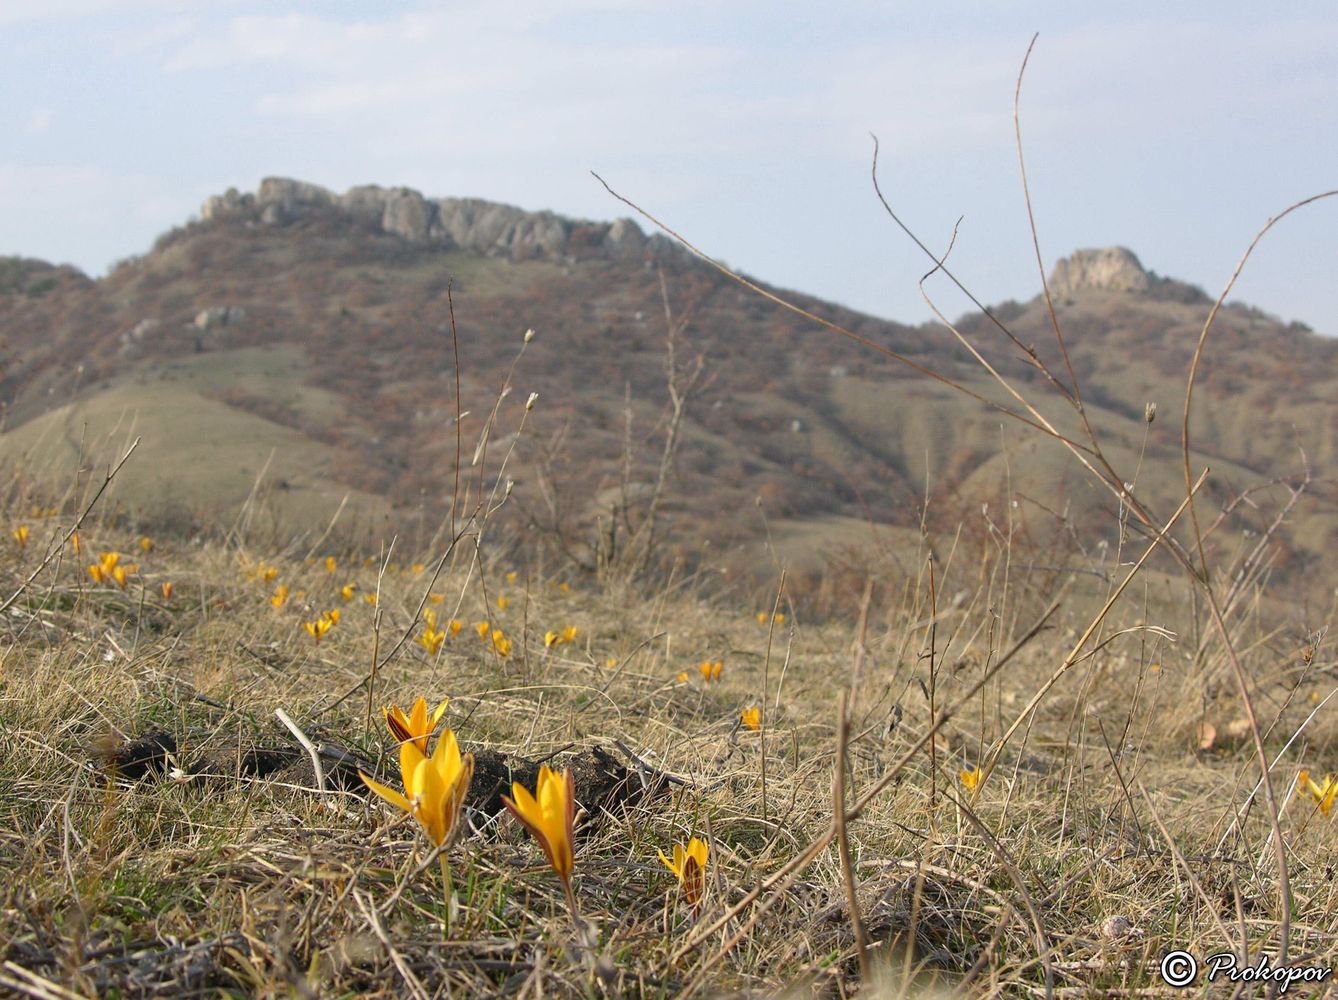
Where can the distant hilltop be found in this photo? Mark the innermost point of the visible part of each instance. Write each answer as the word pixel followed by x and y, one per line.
pixel 484 227
pixel 1116 269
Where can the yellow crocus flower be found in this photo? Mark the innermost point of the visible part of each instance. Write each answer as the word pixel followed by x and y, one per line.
pixel 751 717
pixel 971 779
pixel 549 815
pixel 280 595
pixel 416 727
pixel 434 787
pixel 1323 794
pixel 346 591
pixel 690 866
pixel 321 625
pixel 431 640
pixel 21 534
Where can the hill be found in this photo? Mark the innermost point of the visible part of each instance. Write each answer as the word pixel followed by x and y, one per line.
pixel 291 351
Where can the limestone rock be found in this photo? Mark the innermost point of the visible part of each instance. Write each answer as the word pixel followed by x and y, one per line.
pixel 230 202
pixel 1116 269
pixel 472 224
pixel 281 199
pixel 1110 269
pixel 206 319
pixel 408 215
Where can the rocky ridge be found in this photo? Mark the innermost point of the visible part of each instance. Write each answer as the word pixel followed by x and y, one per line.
pixel 1116 269
pixel 472 224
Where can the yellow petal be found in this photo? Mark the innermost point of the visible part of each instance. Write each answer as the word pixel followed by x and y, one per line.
pixel 410 757
pixel 389 794
pixel 698 850
pixel 670 864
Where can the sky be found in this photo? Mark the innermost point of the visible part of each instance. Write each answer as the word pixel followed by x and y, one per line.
pixel 1176 130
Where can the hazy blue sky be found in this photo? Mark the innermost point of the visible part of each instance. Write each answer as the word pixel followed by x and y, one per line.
pixel 1173 129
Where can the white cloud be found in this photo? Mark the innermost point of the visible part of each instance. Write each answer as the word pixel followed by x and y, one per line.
pixel 39 120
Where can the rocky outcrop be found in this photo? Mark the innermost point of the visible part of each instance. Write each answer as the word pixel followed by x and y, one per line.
pixel 1115 269
pixel 466 223
pixel 1111 269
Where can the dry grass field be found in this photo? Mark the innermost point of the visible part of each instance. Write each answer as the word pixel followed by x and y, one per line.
pixel 166 835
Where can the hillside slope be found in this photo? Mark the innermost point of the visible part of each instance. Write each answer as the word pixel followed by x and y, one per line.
pixel 306 335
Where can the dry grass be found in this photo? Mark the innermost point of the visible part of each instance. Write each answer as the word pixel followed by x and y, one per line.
pixel 1102 839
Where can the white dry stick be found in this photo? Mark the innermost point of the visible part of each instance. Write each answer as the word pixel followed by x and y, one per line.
pixel 310 747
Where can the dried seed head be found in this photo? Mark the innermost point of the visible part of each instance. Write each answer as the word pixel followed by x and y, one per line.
pixel 1150 412
pixel 529 403
pixel 529 335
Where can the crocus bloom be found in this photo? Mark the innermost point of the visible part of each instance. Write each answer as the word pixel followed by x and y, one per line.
pixel 21 534
pixel 690 867
pixel 346 591
pixel 1323 794
pixel 549 816
pixel 280 595
pixel 501 602
pixel 483 628
pixel 320 626
pixel 146 543
pixel 970 779
pixel 552 639
pixel 434 787
pixel 711 671
pixel 569 634
pixel 414 728
pixel 102 570
pixel 431 640
pixel 455 626
pixel 330 564
pixel 167 590
pixel 752 717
